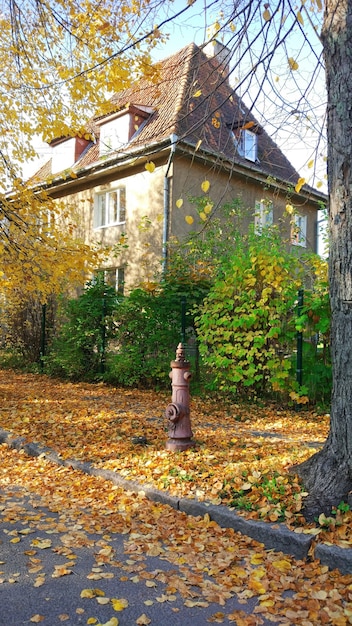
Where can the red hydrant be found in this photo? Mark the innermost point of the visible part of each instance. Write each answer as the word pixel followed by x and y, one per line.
pixel 177 412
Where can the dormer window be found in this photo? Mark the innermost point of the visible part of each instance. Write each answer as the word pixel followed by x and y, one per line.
pixel 117 129
pixel 247 145
pixel 65 152
pixel 245 136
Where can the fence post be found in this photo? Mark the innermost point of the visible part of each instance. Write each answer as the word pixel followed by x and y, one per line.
pixel 42 338
pixel 103 334
pixel 183 320
pixel 299 363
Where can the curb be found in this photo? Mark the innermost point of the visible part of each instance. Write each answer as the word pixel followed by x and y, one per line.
pixel 274 536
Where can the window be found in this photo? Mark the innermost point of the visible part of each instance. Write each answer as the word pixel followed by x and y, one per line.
pixel 117 129
pixel 110 208
pixel 115 277
pixel 263 216
pixel 247 145
pixel 299 230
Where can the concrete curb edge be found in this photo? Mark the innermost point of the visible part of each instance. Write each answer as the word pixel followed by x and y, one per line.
pixel 274 536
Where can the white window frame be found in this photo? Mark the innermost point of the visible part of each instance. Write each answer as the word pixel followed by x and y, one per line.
pixel 264 215
pixel 110 208
pixel 115 277
pixel 247 144
pixel 299 230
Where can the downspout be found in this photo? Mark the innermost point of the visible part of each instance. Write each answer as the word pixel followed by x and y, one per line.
pixel 166 221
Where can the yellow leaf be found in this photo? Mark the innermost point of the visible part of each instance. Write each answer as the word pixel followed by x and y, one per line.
pixel 119 604
pixel 143 620
pixel 300 18
pixel 289 209
pixel 205 186
pixel 150 166
pixel 179 203
pixel 257 587
pixel 293 64
pixel 112 622
pixel 197 93
pixel 208 208
pixel 15 540
pixel 41 543
pixel 319 184
pixel 257 559
pixel 37 618
pixel 311 163
pixel 300 183
pixel 103 601
pixel 202 216
pixel 199 143
pixel 266 15
pixel 92 620
pixel 282 565
pixel 91 593
pixel 189 219
pixel 319 594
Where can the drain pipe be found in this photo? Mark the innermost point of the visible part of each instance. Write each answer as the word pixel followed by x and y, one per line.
pixel 173 140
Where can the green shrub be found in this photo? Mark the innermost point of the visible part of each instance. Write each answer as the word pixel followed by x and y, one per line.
pixel 147 331
pixel 245 325
pixel 78 351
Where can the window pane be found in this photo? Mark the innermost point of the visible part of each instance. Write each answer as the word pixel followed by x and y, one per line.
pixel 120 280
pixel 299 230
pixel 113 207
pixel 100 211
pixel 122 191
pixel 250 145
pixel 263 216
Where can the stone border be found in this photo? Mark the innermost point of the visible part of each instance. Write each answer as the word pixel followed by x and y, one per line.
pixel 274 536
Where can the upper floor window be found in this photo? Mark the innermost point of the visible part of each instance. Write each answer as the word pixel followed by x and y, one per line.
pixel 117 129
pixel 263 216
pixel 299 230
pixel 247 145
pixel 110 208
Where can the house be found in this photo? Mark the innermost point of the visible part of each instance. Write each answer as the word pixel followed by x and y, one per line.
pixel 161 139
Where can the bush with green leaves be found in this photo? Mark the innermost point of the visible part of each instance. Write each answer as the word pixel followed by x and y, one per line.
pixel 147 332
pixel 78 351
pixel 245 326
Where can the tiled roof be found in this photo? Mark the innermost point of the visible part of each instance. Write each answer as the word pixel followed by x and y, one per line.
pixel 191 98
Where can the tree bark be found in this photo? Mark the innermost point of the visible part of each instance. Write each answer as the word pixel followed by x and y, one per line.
pixel 328 474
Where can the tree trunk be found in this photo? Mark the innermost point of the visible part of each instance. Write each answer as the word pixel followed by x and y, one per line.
pixel 328 474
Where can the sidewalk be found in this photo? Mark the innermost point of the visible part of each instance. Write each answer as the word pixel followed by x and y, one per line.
pixel 273 536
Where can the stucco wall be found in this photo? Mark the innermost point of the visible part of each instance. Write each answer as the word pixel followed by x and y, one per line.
pixel 145 210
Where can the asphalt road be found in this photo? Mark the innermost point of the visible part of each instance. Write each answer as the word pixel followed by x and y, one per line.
pixel 49 561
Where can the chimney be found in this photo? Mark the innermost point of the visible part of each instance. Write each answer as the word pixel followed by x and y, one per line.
pixel 216 50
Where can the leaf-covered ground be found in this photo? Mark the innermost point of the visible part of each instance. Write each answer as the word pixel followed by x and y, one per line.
pixel 241 455
pixel 216 574
pixel 77 550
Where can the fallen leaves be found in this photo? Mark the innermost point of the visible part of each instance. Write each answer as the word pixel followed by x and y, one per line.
pixel 236 451
pixel 241 456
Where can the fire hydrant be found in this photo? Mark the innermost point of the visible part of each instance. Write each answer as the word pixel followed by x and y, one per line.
pixel 177 412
